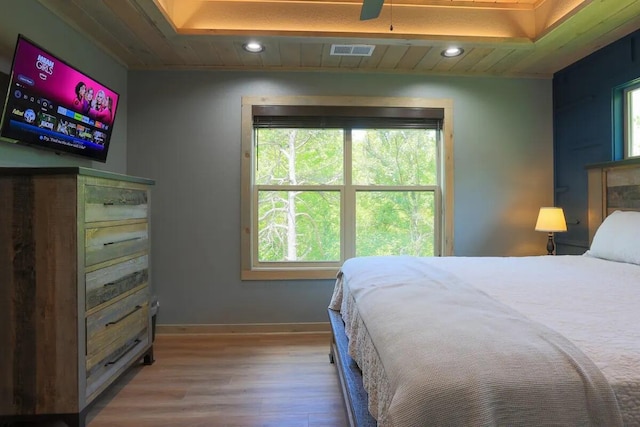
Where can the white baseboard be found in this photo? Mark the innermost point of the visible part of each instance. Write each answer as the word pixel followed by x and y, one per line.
pixel 249 328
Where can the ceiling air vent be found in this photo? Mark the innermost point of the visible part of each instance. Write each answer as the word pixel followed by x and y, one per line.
pixel 352 49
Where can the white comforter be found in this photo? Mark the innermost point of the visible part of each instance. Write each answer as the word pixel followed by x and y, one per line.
pixel 582 301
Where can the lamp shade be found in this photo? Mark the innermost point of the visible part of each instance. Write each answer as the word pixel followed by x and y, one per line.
pixel 551 220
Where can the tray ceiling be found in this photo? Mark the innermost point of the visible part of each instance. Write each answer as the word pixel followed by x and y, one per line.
pixel 532 38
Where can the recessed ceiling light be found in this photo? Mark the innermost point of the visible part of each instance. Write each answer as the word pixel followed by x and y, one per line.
pixel 253 47
pixel 452 52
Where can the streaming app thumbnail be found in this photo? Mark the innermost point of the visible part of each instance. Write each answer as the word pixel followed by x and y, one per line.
pixel 66 128
pixel 46 121
pixel 84 132
pixel 99 137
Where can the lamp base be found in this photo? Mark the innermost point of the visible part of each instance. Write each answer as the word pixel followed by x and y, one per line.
pixel 551 247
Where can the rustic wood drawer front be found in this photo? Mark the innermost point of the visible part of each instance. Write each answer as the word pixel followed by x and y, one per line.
pixel 110 282
pixel 105 243
pixel 100 375
pixel 111 328
pixel 114 203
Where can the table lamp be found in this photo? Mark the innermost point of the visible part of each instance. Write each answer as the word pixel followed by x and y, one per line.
pixel 552 221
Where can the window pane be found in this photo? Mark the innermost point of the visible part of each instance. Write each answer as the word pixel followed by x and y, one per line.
pixel 299 156
pixel 394 157
pixel 298 226
pixel 394 223
pixel 633 120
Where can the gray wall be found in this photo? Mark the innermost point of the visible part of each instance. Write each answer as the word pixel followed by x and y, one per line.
pixel 38 24
pixel 184 131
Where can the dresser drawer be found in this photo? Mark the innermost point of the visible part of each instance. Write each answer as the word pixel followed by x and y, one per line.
pixel 103 203
pixel 110 282
pixel 102 374
pixel 111 328
pixel 105 243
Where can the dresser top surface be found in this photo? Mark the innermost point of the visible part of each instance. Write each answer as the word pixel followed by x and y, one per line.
pixel 72 170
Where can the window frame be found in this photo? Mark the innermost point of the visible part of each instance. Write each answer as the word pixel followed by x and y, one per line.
pixel 626 105
pixel 250 270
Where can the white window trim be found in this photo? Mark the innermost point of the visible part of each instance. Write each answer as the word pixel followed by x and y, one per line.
pixel 444 238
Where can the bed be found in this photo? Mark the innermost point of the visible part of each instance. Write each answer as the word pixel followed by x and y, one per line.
pixel 464 341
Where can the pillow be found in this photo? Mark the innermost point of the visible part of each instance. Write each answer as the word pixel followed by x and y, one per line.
pixel 618 238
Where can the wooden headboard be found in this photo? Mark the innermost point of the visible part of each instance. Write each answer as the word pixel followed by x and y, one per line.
pixel 612 186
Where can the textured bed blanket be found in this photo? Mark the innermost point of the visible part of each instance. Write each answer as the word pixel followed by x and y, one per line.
pixel 453 356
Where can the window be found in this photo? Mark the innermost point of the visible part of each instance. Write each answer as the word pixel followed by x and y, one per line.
pixel 632 121
pixel 329 178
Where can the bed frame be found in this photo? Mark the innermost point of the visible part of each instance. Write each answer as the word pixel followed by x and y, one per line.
pixel 349 374
pixel 612 186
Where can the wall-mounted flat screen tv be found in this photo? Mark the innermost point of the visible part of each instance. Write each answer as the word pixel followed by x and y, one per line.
pixel 53 105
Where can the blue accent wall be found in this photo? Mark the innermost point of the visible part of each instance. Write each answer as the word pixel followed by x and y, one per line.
pixel 587 122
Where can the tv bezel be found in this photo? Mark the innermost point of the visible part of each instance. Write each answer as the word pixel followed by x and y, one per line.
pixel 59 148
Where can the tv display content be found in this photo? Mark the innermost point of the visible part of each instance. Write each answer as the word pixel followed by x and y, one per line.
pixel 52 105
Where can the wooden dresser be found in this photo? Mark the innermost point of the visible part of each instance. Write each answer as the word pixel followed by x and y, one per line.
pixel 74 288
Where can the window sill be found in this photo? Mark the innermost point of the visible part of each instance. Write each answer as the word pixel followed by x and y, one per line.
pixel 289 274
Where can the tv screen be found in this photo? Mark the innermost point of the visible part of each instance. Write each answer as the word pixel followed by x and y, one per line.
pixel 50 104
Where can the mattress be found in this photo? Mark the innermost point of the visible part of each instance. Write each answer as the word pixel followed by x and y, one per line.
pixel 590 302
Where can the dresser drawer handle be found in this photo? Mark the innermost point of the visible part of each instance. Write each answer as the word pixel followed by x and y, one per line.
pixel 122 241
pixel 114 361
pixel 122 203
pixel 138 307
pixel 125 202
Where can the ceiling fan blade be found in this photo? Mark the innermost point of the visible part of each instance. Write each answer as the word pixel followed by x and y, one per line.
pixel 370 9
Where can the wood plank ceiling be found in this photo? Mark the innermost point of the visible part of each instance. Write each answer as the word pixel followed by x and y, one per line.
pixel 531 38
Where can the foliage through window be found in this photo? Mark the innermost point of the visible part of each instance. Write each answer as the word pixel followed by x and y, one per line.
pixel 326 188
pixel 632 121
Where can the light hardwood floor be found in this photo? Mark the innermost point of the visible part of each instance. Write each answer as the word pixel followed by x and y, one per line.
pixel 279 380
